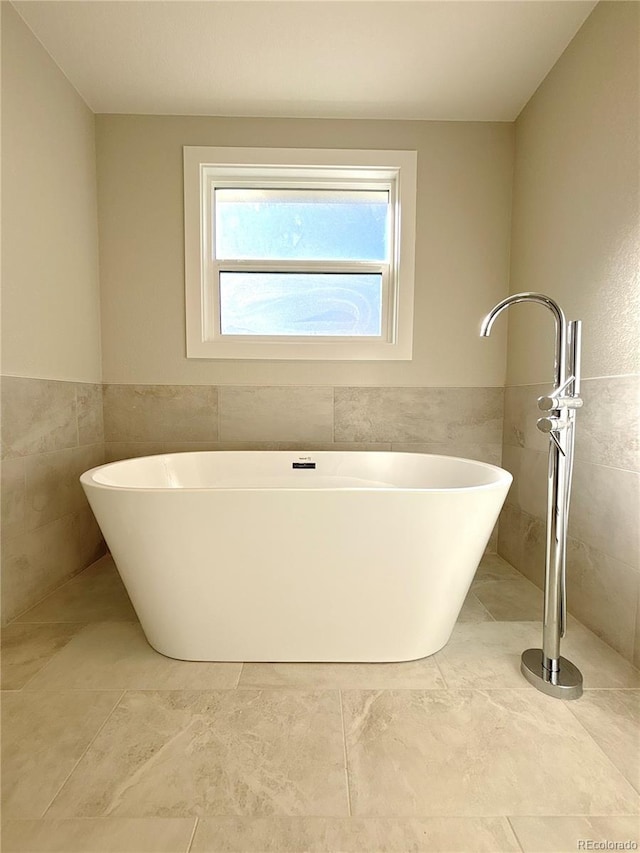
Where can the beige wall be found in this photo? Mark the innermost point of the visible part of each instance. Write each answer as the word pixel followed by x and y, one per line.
pixel 576 232
pixel 464 202
pixel 576 236
pixel 50 292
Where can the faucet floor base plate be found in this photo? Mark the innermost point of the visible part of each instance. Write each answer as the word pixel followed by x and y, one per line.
pixel 566 683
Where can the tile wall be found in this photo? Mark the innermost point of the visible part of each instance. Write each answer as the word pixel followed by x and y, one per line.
pixel 52 431
pixel 603 556
pixel 142 419
pixel 145 419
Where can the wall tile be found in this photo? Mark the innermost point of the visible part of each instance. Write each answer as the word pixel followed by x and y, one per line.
pixel 636 643
pixel 35 563
pixel 604 543
pixel 605 508
pixel 160 413
pixel 529 488
pixel 88 542
pixel 603 594
pixel 52 482
pixel 608 425
pixel 521 414
pixel 522 542
pixel 37 415
pixel 429 415
pixel 49 532
pixel 276 413
pixel 117 450
pixel 13 496
pixel 90 419
pixel 490 453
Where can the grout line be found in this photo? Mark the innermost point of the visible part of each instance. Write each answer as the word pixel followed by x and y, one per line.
pixel 84 752
pixel 193 835
pixel 333 414
pixel 218 407
pixel 76 415
pixel 440 670
pixel 344 744
pixel 515 834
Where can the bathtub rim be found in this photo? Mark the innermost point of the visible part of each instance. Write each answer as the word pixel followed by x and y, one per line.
pixel 502 476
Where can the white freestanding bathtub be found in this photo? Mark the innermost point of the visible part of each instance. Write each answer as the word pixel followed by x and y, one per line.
pixel 278 556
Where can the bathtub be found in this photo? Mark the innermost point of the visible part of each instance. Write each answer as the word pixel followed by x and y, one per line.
pixel 281 556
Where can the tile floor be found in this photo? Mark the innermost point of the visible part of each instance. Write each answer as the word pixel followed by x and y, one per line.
pixel 109 746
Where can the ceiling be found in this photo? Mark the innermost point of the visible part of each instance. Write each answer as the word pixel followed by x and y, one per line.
pixel 479 60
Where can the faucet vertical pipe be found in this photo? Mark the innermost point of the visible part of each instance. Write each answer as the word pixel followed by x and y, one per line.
pixel 545 668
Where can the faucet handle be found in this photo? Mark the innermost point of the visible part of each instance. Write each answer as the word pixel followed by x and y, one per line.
pixel 549 403
pixel 551 424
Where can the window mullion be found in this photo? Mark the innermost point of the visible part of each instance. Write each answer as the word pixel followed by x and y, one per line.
pixel 300 266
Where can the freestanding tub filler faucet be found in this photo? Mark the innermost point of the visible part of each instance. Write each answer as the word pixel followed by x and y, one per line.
pixel 545 668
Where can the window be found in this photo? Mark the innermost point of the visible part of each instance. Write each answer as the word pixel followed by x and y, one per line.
pixel 297 253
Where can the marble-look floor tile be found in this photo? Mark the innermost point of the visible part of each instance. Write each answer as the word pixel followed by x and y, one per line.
pixel 182 753
pixel 562 834
pixel 487 655
pixel 473 753
pixel 116 655
pixel 612 718
pixel 422 674
pixel 515 600
pixel 43 736
pixel 354 835
pixel 494 568
pixel 98 835
pixel 26 648
pixel 601 666
pixel 473 610
pixel 95 595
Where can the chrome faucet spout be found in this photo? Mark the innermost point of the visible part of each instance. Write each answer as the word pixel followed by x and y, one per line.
pixel 560 366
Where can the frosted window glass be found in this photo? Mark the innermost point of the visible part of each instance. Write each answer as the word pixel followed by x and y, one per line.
pixel 273 224
pixel 300 303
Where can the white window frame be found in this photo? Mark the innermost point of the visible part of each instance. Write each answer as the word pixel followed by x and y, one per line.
pixel 206 169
